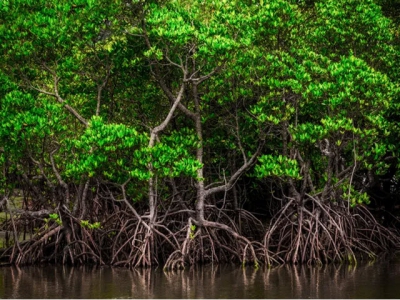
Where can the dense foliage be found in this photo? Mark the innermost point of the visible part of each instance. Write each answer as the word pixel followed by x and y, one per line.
pixel 140 131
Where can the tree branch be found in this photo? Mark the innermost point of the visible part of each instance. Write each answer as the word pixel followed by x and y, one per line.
pixel 164 124
pixel 199 80
pixel 227 186
pixel 100 88
pixel 59 178
pixel 61 100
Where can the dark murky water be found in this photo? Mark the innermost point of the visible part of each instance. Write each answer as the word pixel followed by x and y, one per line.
pixel 378 280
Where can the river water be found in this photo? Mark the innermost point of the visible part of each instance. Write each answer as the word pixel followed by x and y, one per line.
pixel 377 280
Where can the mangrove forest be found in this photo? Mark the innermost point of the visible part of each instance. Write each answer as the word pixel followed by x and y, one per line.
pixel 171 133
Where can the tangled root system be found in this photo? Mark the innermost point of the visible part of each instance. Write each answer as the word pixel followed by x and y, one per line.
pixel 310 232
pixel 317 232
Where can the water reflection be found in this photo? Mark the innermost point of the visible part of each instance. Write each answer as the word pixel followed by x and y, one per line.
pixel 379 280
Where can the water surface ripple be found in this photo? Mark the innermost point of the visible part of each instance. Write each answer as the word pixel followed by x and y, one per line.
pixel 378 280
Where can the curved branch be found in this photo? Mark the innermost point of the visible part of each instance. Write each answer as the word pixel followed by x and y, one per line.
pixel 228 185
pixel 62 101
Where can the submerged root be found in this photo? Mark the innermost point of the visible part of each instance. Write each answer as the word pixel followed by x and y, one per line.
pixel 317 232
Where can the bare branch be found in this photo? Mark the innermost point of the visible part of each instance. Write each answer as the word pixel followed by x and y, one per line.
pixel 199 80
pixel 39 213
pixel 164 124
pixel 227 186
pixel 56 95
pixel 237 134
pixel 161 82
pixel 59 178
pixel 100 90
pixel 180 66
pixel 62 101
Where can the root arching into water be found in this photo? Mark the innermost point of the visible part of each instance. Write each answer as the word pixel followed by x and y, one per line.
pixel 315 232
pixel 312 232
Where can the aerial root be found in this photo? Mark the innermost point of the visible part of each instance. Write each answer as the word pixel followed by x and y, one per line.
pixel 215 242
pixel 311 233
pixel 316 233
pixel 54 242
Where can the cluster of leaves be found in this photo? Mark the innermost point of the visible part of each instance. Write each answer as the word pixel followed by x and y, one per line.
pixel 115 151
pixel 333 89
pixel 87 224
pixel 55 218
pixel 173 156
pixel 278 166
pixel 119 152
pixel 301 78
